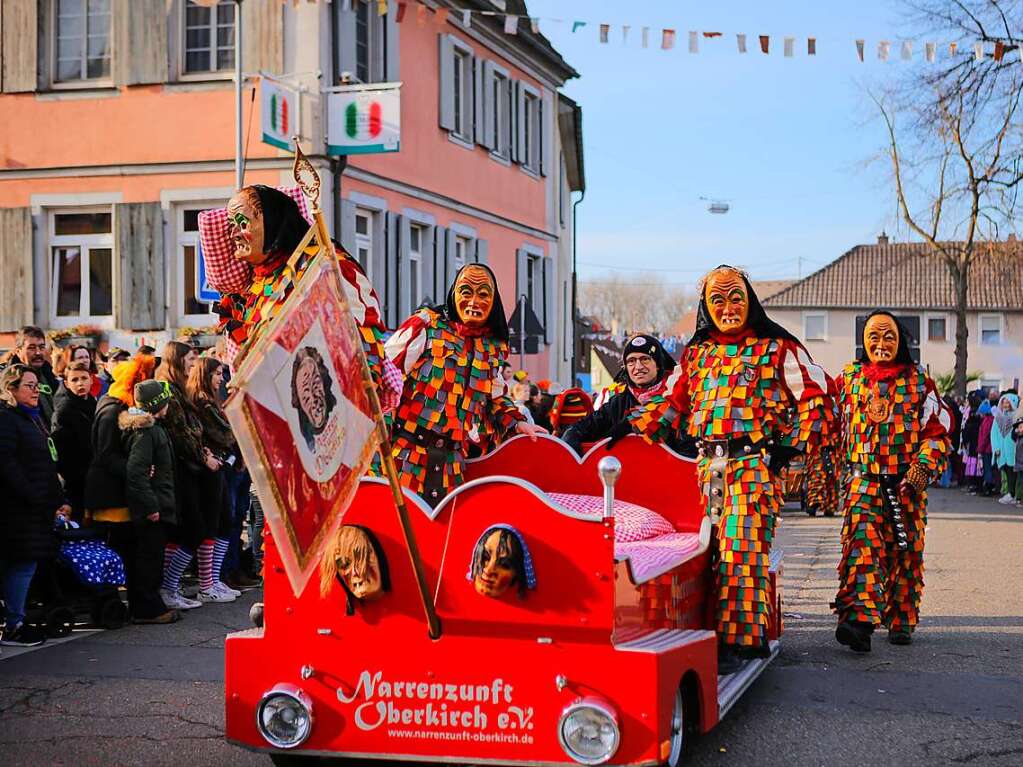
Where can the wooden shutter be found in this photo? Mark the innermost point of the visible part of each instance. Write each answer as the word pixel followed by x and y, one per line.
pixel 482 252
pixel 447 83
pixel 345 40
pixel 548 300
pixel 19 45
pixel 405 297
pixel 449 260
pixel 546 123
pixel 392 67
pixel 439 266
pixel 140 41
pixel 16 276
pixel 521 272
pixel 478 107
pixel 138 253
pixel 391 295
pixel 347 234
pixel 486 98
pixel 518 141
pixel 378 226
pixel 263 37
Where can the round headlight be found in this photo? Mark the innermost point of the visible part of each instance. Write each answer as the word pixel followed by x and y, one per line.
pixel 285 716
pixel 588 731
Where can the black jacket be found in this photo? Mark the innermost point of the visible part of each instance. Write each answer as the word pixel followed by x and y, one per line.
pixel 72 436
pixel 29 487
pixel 149 450
pixel 598 425
pixel 108 472
pixel 48 383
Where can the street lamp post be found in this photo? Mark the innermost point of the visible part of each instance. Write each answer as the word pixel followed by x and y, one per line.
pixel 239 158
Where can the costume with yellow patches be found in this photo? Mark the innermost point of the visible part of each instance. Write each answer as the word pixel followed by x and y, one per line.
pixel 751 397
pixel 882 583
pixel 452 382
pixel 821 478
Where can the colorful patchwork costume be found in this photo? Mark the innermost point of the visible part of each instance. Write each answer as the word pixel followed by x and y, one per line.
pixel 895 437
pixel 252 294
pixel 452 383
pixel 752 398
pixel 821 478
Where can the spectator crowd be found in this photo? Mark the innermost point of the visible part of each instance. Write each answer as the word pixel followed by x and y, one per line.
pixel 987 437
pixel 138 449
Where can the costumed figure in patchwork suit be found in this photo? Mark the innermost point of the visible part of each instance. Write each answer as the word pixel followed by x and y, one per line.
pixel 821 477
pixel 451 357
pixel 895 438
pixel 246 248
pixel 749 393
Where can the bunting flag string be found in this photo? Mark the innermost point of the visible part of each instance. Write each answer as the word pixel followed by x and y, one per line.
pixel 981 50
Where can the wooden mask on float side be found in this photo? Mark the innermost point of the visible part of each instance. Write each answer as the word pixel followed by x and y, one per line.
pixel 501 560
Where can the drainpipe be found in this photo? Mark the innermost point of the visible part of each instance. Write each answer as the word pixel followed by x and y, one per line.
pixel 575 294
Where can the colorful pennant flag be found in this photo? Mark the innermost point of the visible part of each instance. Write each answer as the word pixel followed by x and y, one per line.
pixel 534 25
pixel 883 47
pixel 709 35
pixel 765 43
pixel 999 51
pixel 859 49
pixel 978 51
pixel 811 46
pixel 466 19
pixel 667 39
pixel 907 50
pixel 511 25
pixel 402 7
pixel 953 49
pixel 694 42
pixel 604 29
pixel 382 7
pixel 442 16
pixel 930 49
pixel 645 36
pixel 577 25
pixel 625 33
pixel 740 40
pixel 790 43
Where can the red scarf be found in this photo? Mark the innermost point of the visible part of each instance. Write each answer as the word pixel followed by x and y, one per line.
pixel 645 395
pixel 883 371
pixel 467 331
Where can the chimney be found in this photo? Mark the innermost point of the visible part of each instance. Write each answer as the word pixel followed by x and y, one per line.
pixel 882 239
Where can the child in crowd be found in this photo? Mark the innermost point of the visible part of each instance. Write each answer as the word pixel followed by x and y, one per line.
pixel 74 409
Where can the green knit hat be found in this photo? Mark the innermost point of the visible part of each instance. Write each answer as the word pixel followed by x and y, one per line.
pixel 152 395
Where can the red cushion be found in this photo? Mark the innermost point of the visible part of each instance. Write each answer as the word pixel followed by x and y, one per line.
pixel 632 522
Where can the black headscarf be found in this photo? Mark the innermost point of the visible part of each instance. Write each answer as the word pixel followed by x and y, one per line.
pixel 757 321
pixel 903 356
pixel 283 223
pixel 497 323
pixel 650 346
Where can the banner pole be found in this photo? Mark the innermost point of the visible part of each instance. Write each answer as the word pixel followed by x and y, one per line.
pixel 309 180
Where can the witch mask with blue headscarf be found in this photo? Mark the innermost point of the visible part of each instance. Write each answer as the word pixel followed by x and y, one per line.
pixel 500 560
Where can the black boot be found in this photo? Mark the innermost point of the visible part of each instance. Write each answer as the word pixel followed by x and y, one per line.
pixel 756 651
pixel 728 660
pixel 854 635
pixel 900 637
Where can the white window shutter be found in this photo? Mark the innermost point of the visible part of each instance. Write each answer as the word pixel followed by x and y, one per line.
pixel 519 140
pixel 546 123
pixel 392 67
pixel 427 291
pixel 549 322
pixel 405 297
pixel 447 83
pixel 482 252
pixel 449 260
pixel 345 40
pixel 378 258
pixel 477 99
pixel 486 103
pixel 521 272
pixel 437 265
pixel 391 294
pixel 347 234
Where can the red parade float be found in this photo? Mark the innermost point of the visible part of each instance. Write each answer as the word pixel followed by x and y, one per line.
pixel 605 655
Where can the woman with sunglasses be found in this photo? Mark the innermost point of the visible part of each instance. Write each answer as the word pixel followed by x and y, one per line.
pixel 32 498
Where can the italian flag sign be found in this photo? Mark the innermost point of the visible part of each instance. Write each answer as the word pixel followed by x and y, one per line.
pixel 278 113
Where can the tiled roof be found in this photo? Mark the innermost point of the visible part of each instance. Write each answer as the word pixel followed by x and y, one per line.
pixel 905 276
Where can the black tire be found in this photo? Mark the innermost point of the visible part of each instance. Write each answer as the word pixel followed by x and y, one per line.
pixel 59 622
pixel 111 613
pixel 284 759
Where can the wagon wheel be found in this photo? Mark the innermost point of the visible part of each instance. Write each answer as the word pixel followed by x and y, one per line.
pixel 110 614
pixel 59 622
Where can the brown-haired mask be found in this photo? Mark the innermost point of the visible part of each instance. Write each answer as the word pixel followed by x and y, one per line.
pixel 245 223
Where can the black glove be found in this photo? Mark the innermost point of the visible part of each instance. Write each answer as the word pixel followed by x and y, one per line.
pixel 780 457
pixel 621 429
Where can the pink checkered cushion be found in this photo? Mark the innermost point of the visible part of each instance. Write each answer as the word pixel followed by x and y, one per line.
pixel 657 556
pixel 632 522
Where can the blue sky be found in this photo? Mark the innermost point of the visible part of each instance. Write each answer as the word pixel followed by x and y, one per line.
pixel 786 141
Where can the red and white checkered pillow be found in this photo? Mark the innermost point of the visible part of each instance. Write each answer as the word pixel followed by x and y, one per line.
pixel 632 522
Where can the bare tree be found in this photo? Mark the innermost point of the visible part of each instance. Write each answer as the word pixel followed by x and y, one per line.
pixel 957 167
pixel 630 307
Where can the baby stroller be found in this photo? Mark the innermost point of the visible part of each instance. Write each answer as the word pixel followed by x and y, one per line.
pixel 82 580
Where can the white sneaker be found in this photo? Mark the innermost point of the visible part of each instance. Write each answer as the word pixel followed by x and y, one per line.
pixel 176 601
pixel 213 595
pixel 1006 499
pixel 221 586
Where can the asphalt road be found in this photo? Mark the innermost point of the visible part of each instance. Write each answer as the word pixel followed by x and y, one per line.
pixel 152 695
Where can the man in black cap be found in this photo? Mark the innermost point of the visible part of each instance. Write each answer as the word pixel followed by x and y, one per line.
pixel 645 368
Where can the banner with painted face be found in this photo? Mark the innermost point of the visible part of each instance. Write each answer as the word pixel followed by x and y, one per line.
pixel 304 422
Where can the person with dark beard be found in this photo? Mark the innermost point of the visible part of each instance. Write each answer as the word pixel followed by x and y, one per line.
pixel 451 356
pixel 895 440
pixel 645 368
pixel 748 391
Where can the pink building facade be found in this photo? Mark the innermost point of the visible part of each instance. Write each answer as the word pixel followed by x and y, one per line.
pixel 119 128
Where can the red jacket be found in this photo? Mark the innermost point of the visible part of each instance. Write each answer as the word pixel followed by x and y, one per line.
pixel 984 440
